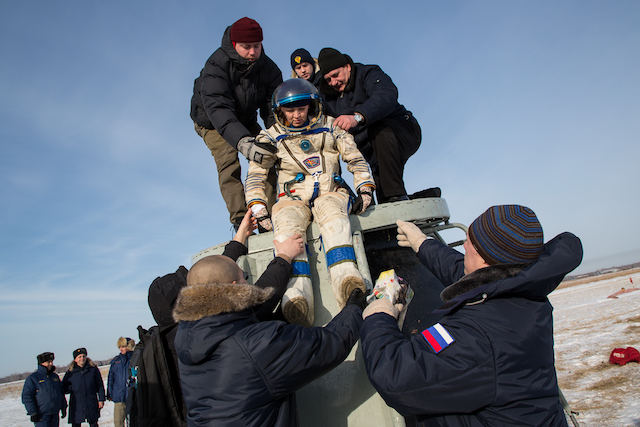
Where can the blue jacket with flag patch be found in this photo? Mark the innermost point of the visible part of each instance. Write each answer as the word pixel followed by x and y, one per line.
pixel 497 368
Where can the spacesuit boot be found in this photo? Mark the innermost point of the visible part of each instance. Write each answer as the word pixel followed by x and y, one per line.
pixel 289 218
pixel 330 212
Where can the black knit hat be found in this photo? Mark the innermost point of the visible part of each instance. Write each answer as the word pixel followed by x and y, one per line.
pixel 79 351
pixel 329 59
pixel 299 56
pixel 507 234
pixel 47 356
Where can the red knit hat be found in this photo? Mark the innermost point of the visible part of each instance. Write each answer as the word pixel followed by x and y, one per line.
pixel 246 30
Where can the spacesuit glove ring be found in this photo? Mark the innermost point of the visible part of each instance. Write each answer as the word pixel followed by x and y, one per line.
pixel 262 216
pixel 362 202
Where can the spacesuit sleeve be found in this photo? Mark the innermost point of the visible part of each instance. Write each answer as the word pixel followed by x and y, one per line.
pixel 356 164
pixel 254 185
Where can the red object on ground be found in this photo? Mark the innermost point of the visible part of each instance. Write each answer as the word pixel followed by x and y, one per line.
pixel 622 291
pixel 622 356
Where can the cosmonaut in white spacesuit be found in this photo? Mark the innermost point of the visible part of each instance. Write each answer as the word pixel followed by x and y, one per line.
pixel 307 150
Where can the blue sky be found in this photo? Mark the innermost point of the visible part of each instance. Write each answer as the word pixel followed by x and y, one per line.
pixel 105 185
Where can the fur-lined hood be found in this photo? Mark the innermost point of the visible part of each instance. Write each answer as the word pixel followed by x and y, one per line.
pixel 199 301
pixel 533 281
pixel 88 364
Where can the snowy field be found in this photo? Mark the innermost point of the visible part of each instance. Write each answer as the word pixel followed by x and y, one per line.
pixel 588 326
pixel 13 413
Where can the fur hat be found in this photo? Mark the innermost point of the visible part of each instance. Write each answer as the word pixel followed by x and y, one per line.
pixel 79 351
pixel 246 30
pixel 299 56
pixel 47 356
pixel 126 342
pixel 329 59
pixel 507 234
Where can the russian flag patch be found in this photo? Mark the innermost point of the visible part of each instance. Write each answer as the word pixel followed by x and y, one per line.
pixel 437 337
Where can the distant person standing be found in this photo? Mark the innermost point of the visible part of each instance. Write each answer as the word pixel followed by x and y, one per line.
pixel 119 374
pixel 364 101
pixel 84 382
pixel 43 395
pixel 237 80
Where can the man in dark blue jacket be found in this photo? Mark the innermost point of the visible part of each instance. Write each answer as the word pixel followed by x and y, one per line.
pixel 364 101
pixel 43 395
pixel 489 361
pixel 117 380
pixel 236 370
pixel 84 382
pixel 237 80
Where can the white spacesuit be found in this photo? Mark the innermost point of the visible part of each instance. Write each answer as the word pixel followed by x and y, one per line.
pixel 307 160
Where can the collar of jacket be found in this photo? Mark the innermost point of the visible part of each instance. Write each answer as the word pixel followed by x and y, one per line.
pixel 533 281
pixel 473 285
pixel 198 301
pixel 89 363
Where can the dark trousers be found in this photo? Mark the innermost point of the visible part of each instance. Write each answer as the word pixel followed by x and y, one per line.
pixel 48 421
pixel 93 424
pixel 390 144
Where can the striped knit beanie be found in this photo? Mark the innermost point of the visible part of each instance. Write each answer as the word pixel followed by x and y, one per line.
pixel 507 234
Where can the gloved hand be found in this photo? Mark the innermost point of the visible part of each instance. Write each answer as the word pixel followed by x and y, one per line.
pixel 409 235
pixel 262 216
pixel 358 298
pixel 362 202
pixel 64 412
pixel 260 152
pixel 383 305
pixel 35 418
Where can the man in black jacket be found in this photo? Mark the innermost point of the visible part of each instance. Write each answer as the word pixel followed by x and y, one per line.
pixel 237 80
pixel 364 101
pixel 489 361
pixel 236 370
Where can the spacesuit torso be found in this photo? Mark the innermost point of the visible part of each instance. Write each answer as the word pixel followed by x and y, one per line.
pixel 315 153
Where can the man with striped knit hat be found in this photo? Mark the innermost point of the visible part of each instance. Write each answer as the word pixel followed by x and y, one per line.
pixel 489 360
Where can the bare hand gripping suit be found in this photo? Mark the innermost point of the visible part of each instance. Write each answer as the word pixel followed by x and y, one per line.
pixel 308 162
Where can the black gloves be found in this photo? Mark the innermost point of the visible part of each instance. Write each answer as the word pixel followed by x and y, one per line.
pixel 35 418
pixel 358 298
pixel 64 412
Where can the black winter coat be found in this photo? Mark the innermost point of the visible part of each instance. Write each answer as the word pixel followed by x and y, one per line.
pixel 231 89
pixel 238 371
pixel 42 393
pixel 500 370
pixel 86 388
pixel 370 92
